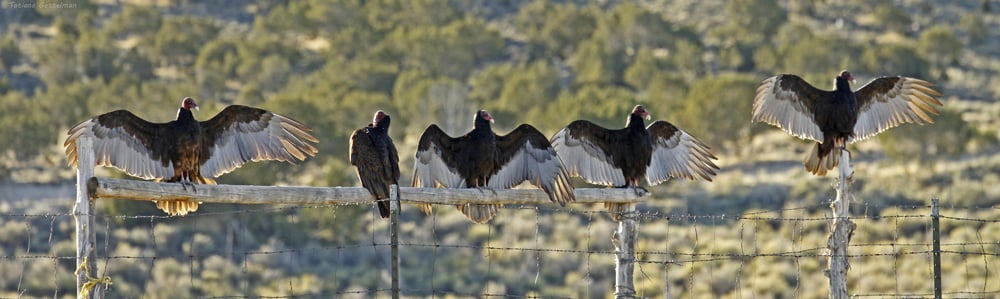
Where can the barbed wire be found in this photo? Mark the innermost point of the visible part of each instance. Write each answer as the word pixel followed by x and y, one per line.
pixel 655 214
pixel 795 254
pixel 639 215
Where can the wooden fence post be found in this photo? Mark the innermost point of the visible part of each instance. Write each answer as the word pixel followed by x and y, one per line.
pixel 936 234
pixel 87 286
pixel 843 228
pixel 624 240
pixel 394 237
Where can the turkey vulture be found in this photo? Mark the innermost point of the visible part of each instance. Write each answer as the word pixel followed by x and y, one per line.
pixel 188 151
pixel 624 157
pixel 376 159
pixel 482 158
pixel 836 118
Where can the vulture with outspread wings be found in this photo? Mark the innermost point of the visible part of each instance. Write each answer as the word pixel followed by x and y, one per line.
pixel 835 118
pixel 188 151
pixel 627 156
pixel 483 159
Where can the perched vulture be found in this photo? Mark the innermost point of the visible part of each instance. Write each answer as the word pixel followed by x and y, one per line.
pixel 188 151
pixel 836 118
pixel 624 157
pixel 376 160
pixel 482 158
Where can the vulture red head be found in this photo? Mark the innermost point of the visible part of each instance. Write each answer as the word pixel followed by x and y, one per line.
pixel 482 114
pixel 641 112
pixel 188 103
pixel 379 116
pixel 847 76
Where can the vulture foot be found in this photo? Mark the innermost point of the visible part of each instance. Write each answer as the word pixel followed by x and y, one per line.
pixel 491 190
pixel 185 184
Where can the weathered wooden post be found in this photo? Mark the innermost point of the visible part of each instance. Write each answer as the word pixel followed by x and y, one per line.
pixel 624 240
pixel 394 237
pixel 86 239
pixel 936 235
pixel 843 228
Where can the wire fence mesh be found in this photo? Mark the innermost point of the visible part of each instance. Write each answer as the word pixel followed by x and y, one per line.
pixel 231 251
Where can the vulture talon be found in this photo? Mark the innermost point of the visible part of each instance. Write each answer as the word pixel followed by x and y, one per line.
pixel 185 184
pixel 485 188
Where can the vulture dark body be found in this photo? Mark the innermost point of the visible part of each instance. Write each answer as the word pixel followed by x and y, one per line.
pixel 624 157
pixel 841 116
pixel 482 158
pixel 377 162
pixel 628 149
pixel 188 151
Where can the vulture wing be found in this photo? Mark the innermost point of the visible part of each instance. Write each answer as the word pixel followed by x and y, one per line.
pixel 436 164
pixel 526 155
pixel 888 102
pixel 391 160
pixel 586 151
pixel 240 134
pixel 676 154
pixel 790 103
pixel 125 141
pixel 374 167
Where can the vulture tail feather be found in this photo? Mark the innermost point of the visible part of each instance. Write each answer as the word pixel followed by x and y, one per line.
pixel 819 160
pixel 615 210
pixel 177 207
pixel 383 208
pixel 479 213
pixel 425 207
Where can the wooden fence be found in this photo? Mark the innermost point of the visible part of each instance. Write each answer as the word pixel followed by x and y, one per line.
pixel 90 189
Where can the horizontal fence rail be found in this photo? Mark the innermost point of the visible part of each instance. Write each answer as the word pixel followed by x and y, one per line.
pixel 244 194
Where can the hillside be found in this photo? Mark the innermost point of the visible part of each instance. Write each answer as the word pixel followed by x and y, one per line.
pixel 330 64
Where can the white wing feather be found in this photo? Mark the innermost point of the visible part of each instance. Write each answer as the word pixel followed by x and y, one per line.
pixel 584 159
pixel 115 147
pixel 908 101
pixel 680 155
pixel 271 138
pixel 430 171
pixel 780 107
